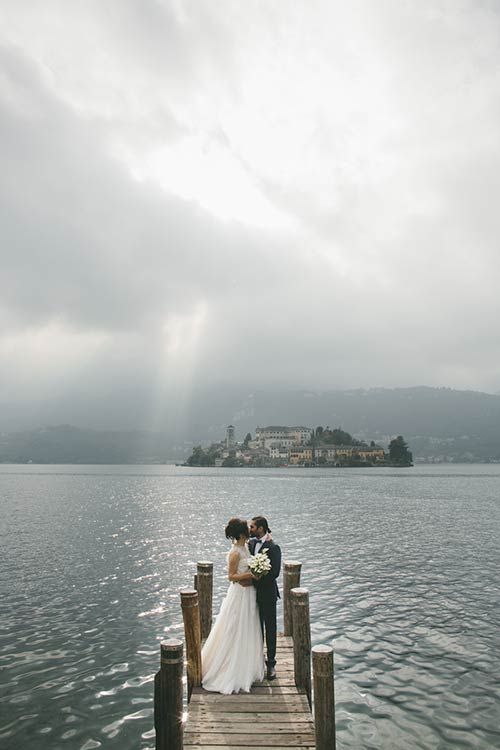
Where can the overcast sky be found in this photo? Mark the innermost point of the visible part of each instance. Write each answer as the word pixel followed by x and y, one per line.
pixel 296 193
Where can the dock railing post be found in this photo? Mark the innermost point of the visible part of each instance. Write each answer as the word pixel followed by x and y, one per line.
pixel 204 587
pixel 192 633
pixel 168 697
pixel 291 580
pixel 324 697
pixel 302 640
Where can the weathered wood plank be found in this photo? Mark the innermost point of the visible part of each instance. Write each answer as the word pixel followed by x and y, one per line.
pixel 242 740
pixel 270 707
pixel 244 717
pixel 286 679
pixel 274 689
pixel 238 747
pixel 271 688
pixel 205 697
pixel 248 728
pixel 285 703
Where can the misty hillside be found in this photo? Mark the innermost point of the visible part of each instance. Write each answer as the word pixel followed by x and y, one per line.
pixel 69 444
pixel 437 423
pixel 433 412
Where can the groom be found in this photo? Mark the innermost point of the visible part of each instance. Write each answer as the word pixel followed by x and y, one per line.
pixel 267 588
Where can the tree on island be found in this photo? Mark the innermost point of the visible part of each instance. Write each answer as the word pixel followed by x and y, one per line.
pixel 399 455
pixel 200 457
pixel 338 436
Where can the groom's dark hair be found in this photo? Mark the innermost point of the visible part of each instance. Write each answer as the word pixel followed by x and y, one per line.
pixel 261 522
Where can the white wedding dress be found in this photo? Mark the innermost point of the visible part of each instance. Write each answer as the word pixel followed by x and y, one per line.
pixel 233 655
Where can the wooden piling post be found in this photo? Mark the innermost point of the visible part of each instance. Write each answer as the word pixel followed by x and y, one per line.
pixel 168 697
pixel 291 580
pixel 302 640
pixel 192 632
pixel 324 697
pixel 204 586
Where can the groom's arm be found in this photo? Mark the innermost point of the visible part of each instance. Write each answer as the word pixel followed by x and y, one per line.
pixel 275 557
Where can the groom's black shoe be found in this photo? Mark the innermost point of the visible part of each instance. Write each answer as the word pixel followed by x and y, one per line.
pixel 271 673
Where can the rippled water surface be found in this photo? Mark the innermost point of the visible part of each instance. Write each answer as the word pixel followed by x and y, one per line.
pixel 402 567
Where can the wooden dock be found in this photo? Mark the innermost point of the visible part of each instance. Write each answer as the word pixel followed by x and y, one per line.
pixel 275 715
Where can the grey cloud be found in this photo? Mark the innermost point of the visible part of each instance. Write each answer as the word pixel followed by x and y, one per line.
pixel 84 242
pixel 390 274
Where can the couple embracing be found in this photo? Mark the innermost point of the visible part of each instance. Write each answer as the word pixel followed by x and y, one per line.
pixel 233 655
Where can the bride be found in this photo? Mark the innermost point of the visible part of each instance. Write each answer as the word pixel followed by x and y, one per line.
pixel 233 655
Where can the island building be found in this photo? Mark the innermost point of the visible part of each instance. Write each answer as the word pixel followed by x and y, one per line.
pixel 342 453
pixel 301 455
pixel 285 436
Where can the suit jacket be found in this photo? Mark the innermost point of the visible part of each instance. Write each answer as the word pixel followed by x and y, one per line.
pixel 267 588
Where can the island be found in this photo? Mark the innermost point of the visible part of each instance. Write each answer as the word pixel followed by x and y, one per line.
pixel 282 446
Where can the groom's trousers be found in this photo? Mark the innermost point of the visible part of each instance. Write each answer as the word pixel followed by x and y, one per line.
pixel 267 612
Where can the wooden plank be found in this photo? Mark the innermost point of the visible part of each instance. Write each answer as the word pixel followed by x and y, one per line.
pixel 263 702
pixel 244 717
pixel 271 688
pixel 262 699
pixel 241 740
pixel 277 690
pixel 286 679
pixel 238 747
pixel 287 686
pixel 248 728
pixel 276 729
pixel 282 678
pixel 269 707
pixel 236 697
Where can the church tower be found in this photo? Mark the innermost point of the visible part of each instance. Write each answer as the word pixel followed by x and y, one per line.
pixel 230 443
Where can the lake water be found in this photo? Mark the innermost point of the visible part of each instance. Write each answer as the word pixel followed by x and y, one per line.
pixel 402 568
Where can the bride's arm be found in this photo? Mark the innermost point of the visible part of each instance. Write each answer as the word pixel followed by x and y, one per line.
pixel 232 571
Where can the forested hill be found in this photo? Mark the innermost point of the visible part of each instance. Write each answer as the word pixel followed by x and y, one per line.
pixel 438 412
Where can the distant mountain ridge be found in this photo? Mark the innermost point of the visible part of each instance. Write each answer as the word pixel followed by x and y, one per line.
pixel 438 424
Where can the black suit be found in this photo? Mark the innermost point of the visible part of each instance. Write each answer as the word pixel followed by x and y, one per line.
pixel 267 596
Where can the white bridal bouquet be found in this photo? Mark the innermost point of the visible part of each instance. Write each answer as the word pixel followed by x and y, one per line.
pixel 259 564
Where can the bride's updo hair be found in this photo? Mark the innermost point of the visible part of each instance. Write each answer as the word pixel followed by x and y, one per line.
pixel 235 528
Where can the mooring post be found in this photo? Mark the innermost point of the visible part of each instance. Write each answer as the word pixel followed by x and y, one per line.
pixel 192 633
pixel 324 697
pixel 204 587
pixel 302 640
pixel 291 580
pixel 168 697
